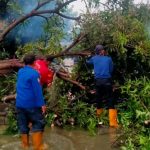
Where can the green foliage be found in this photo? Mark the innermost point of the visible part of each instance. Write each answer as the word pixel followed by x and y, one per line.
pixel 49 43
pixel 120 40
pixel 12 127
pixel 7 85
pixel 143 50
pixel 136 112
pixel 58 102
pixel 125 33
pixel 124 29
pixel 4 55
pixel 83 114
pixel 14 8
pixel 49 118
pixel 36 48
pixel 93 3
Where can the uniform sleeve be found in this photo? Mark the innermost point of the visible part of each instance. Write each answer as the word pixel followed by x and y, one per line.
pixel 90 60
pixel 38 90
pixel 111 65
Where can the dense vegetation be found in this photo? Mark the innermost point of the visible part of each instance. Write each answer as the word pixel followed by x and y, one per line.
pixel 123 28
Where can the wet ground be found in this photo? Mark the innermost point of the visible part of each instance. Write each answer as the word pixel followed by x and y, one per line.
pixel 66 139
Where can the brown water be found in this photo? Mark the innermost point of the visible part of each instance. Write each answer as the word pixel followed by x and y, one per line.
pixel 64 139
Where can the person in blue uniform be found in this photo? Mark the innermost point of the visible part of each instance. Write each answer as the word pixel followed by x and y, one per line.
pixel 30 104
pixel 103 68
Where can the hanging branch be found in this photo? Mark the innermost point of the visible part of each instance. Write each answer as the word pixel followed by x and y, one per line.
pixel 73 81
pixel 43 17
pixel 37 12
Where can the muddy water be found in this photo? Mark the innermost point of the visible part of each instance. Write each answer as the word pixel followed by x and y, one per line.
pixel 67 139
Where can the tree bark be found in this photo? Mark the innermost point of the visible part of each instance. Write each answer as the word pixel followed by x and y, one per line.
pixel 9 65
pixel 5 65
pixel 9 98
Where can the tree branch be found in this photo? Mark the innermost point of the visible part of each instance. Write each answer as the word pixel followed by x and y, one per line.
pixel 8 98
pixel 33 13
pixel 68 17
pixel 74 82
pixel 43 17
pixel 61 5
pixel 13 25
pixel 9 64
pixel 84 53
pixel 42 4
pixel 105 5
pixel 15 63
pixel 77 40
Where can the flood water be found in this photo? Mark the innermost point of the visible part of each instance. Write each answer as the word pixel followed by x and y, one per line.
pixel 67 139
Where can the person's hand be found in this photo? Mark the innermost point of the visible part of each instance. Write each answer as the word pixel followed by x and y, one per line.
pixel 44 109
pixel 49 84
pixel 92 91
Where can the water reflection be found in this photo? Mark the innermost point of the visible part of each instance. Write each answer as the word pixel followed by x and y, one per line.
pixel 67 139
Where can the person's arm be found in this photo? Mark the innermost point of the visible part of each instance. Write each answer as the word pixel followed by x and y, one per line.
pixel 38 91
pixel 90 60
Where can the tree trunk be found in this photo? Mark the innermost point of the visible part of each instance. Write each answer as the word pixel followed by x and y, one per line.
pixel 8 66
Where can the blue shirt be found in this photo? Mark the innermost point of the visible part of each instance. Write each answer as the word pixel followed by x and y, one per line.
pixel 103 66
pixel 29 90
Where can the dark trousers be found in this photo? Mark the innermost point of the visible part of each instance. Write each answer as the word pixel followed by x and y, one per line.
pixel 104 93
pixel 30 115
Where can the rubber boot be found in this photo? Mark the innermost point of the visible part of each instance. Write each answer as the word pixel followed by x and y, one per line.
pixel 25 141
pixel 37 138
pixel 113 118
pixel 99 111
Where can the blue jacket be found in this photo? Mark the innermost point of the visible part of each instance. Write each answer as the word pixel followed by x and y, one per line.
pixel 29 90
pixel 103 66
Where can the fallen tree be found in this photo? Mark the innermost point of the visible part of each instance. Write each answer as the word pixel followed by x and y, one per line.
pixel 9 65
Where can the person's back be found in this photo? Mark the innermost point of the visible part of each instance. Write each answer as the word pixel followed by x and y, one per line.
pixel 26 96
pixel 103 66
